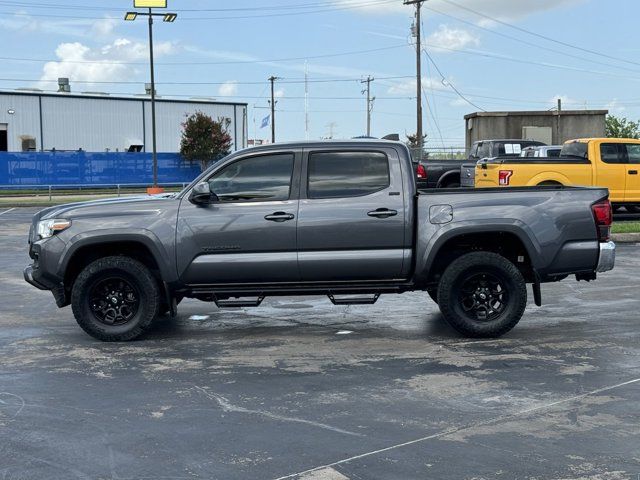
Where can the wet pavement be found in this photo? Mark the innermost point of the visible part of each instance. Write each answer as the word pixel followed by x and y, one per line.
pixel 299 388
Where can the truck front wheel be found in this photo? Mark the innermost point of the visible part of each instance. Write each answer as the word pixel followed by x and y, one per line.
pixel 115 299
pixel 482 294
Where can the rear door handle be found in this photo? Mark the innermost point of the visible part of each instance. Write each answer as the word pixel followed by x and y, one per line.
pixel 633 172
pixel 279 217
pixel 382 213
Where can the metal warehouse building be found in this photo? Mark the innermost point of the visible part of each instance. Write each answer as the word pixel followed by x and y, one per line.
pixel 31 120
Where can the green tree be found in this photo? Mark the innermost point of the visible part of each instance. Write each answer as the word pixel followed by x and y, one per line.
pixel 620 127
pixel 412 143
pixel 204 139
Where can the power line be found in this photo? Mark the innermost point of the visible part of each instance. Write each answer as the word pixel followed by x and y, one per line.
pixel 539 35
pixel 448 83
pixel 226 62
pixel 58 6
pixel 236 17
pixel 525 42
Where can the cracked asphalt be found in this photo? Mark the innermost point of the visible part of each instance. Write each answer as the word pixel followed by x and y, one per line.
pixel 299 388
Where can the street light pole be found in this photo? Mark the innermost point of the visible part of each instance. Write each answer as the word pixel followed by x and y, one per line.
pixel 154 155
pixel 166 17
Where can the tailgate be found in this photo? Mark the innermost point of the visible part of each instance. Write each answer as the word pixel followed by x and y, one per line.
pixel 468 175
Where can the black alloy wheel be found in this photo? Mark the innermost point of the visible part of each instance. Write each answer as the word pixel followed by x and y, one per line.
pixel 113 300
pixel 482 296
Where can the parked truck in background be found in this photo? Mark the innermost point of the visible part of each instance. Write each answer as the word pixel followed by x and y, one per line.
pixel 613 163
pixel 342 219
pixel 439 173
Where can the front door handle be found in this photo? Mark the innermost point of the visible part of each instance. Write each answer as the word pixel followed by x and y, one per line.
pixel 633 172
pixel 279 217
pixel 382 213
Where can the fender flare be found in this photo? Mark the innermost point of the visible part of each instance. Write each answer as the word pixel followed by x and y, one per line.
pixel 434 245
pixel 549 176
pixel 446 176
pixel 148 239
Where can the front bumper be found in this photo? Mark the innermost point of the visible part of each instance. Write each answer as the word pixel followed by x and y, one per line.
pixel 28 276
pixel 32 276
pixel 607 257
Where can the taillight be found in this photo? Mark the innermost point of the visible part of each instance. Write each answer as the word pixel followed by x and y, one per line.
pixel 421 172
pixel 504 176
pixel 603 215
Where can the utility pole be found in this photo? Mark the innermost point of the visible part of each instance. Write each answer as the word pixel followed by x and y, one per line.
pixel 272 79
pixel 418 28
pixel 369 102
pixel 306 101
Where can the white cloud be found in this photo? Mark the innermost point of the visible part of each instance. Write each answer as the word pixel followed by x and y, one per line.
pixel 23 23
pixel 614 107
pixel 228 89
pixel 501 9
pixel 408 87
pixel 109 62
pixel 279 93
pixel 567 102
pixel 451 38
pixel 104 27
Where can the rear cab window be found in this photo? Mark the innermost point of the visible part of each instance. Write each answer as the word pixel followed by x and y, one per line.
pixel 574 149
pixel 340 174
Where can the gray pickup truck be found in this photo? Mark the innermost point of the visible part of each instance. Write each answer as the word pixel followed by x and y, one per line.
pixel 342 219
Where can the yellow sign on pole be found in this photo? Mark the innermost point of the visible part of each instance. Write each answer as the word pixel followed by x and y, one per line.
pixel 150 3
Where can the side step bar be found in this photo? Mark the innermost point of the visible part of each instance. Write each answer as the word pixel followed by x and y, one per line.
pixel 239 302
pixel 349 300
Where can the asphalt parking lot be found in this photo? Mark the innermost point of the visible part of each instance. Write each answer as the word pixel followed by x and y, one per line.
pixel 301 389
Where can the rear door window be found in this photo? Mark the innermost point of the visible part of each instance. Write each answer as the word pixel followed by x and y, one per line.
pixel 612 153
pixel 346 174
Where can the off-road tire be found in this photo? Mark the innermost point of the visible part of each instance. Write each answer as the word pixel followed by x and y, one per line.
pixel 475 264
pixel 135 273
pixel 433 293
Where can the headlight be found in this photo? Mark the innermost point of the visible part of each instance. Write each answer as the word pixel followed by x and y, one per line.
pixel 47 228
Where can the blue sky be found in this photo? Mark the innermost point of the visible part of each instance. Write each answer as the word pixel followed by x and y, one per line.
pixel 496 56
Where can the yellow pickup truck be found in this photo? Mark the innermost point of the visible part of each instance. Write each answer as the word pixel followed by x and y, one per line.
pixel 604 162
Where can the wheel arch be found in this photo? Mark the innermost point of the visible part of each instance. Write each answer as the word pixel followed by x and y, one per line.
pixel 448 177
pixel 556 177
pixel 143 247
pixel 510 242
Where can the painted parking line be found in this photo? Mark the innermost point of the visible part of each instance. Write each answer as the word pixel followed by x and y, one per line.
pixel 7 211
pixel 449 431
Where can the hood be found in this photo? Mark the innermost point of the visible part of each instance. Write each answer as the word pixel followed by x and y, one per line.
pixel 74 208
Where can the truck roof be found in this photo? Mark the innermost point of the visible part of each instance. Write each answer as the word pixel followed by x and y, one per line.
pixel 332 142
pixel 604 139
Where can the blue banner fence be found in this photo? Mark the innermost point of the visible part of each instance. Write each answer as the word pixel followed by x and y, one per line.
pixel 86 169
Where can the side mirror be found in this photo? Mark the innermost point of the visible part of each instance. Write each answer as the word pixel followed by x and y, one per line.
pixel 202 194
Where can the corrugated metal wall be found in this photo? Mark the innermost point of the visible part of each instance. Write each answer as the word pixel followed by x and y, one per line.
pixel 23 122
pixel 92 124
pixel 95 124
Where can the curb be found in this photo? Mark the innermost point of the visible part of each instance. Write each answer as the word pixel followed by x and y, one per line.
pixel 626 237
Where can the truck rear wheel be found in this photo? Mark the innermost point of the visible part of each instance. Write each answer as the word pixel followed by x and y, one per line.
pixel 115 299
pixel 482 294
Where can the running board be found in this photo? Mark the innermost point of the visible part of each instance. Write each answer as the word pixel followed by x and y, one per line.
pixel 238 303
pixel 370 300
